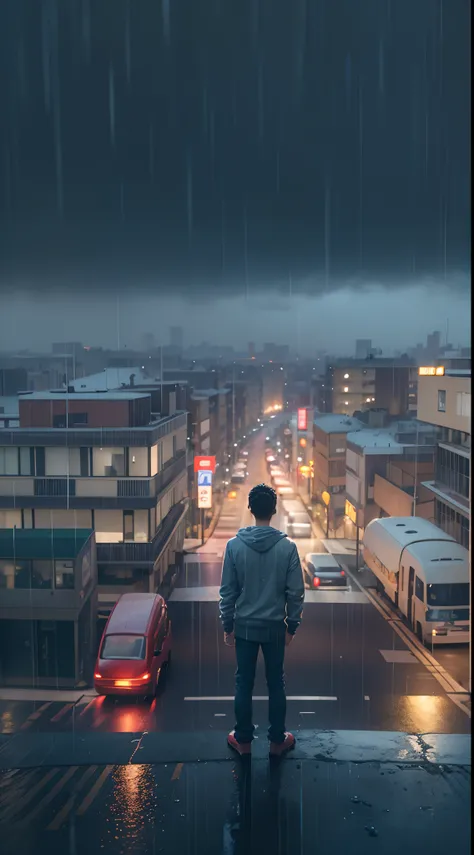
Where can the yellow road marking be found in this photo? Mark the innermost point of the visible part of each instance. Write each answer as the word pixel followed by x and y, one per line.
pixel 177 772
pixel 29 796
pixel 86 803
pixel 48 798
pixel 58 820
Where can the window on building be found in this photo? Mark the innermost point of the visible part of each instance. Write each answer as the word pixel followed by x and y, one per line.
pixel 64 575
pixel 108 462
pixel 25 461
pixel 420 589
pixel 42 574
pixel 8 461
pixel 40 461
pixel 128 526
pixel 463 404
pixel 441 400
pixel 71 420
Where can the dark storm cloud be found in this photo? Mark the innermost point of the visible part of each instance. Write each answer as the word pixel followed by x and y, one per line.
pixel 201 147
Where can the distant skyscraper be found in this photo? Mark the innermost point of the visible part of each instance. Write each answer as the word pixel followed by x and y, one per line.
pixel 363 348
pixel 251 348
pixel 176 337
pixel 148 342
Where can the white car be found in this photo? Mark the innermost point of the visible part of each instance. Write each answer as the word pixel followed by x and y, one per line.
pixel 298 525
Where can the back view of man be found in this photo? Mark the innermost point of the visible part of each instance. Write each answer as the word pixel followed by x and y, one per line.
pixel 261 603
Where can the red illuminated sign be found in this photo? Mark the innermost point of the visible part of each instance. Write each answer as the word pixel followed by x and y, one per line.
pixel 206 464
pixel 302 419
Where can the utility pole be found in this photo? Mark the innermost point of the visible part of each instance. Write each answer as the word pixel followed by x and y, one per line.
pixel 233 413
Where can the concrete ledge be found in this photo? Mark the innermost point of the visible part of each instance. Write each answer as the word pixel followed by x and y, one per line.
pixel 66 749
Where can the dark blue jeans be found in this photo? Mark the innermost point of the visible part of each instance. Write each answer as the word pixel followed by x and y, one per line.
pixel 247 654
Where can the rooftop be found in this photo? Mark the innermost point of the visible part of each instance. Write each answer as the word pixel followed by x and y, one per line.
pixel 337 423
pixel 375 362
pixel 111 378
pixel 61 394
pixel 43 542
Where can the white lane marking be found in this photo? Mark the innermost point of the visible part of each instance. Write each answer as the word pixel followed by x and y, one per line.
pixel 307 712
pixel 366 697
pixel 262 698
pixel 220 715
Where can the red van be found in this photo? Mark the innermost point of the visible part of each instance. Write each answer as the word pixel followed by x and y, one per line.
pixel 135 645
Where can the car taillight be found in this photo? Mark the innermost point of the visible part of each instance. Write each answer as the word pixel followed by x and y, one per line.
pixel 342 573
pixel 316 581
pixel 98 676
pixel 146 677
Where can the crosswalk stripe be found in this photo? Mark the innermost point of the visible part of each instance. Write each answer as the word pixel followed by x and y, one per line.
pixel 30 795
pixel 86 803
pixel 62 712
pixel 88 706
pixel 58 820
pixel 34 716
pixel 48 798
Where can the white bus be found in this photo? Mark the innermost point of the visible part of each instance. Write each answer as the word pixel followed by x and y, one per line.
pixel 425 572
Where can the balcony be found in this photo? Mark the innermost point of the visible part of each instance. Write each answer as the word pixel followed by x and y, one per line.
pixel 94 437
pixel 143 553
pixel 95 493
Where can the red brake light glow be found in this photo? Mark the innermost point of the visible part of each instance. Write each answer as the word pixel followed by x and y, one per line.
pixel 146 677
pixel 98 676
pixel 316 581
pixel 342 573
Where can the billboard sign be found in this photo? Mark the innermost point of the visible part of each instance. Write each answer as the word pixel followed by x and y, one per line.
pixel 204 497
pixel 302 419
pixel 204 463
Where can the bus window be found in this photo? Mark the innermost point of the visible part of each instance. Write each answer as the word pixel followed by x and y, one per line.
pixel 448 594
pixel 419 589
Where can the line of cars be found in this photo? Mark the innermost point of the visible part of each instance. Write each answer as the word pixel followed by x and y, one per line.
pixel 321 570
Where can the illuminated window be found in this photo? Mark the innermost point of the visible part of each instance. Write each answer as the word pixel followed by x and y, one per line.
pixel 346 388
pixel 346 403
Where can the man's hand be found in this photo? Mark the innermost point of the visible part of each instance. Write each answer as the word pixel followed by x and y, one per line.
pixel 288 638
pixel 229 639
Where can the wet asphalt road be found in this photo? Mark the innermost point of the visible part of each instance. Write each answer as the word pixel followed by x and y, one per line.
pixel 346 670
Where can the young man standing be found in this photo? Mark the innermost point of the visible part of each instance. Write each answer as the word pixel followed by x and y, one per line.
pixel 261 603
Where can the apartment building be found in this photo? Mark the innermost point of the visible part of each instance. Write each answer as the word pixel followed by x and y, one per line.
pixel 355 385
pixel 98 461
pixel 48 606
pixel 330 431
pixel 445 401
pixel 368 455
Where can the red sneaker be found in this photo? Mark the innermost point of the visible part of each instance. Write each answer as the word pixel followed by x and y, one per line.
pixel 240 747
pixel 277 749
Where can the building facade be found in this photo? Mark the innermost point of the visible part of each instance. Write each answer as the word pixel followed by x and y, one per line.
pixel 329 466
pixel 445 401
pixel 356 385
pixel 128 483
pixel 48 605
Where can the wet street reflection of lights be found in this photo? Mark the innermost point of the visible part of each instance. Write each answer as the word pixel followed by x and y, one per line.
pixel 422 713
pixel 132 805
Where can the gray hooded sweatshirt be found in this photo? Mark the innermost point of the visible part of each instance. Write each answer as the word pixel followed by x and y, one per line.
pixel 262 588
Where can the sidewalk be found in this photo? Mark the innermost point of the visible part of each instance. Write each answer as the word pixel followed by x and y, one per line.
pixel 406 793
pixel 62 695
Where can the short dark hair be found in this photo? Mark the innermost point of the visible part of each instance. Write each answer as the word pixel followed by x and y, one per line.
pixel 262 501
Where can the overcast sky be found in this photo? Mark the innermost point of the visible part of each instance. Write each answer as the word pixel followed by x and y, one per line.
pixel 202 149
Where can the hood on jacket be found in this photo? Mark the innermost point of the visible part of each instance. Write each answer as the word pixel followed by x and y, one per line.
pixel 260 538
